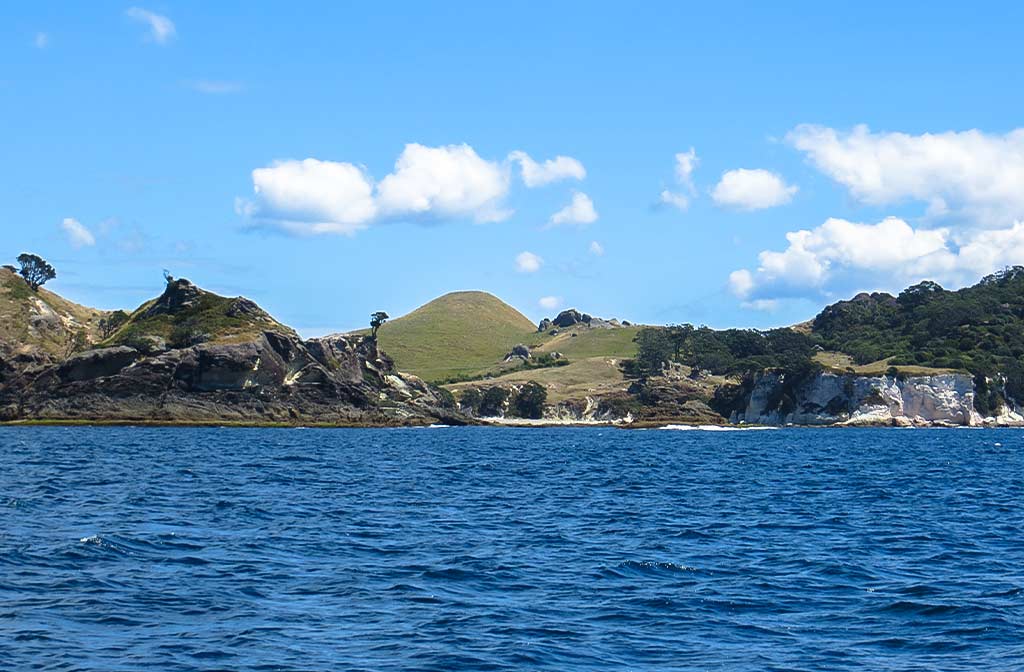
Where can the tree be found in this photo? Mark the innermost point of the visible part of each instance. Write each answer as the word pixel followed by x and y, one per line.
pixel 530 401
pixel 679 334
pixel 75 340
pixel 376 321
pixel 654 350
pixel 112 322
pixel 492 404
pixel 35 270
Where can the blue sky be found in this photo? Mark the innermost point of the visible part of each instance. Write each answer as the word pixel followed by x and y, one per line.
pixel 886 134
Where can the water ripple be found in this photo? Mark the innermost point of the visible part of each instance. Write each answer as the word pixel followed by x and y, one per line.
pixel 510 549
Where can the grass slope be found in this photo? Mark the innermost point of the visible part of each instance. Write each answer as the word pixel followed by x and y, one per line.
pixel 617 343
pixel 40 319
pixel 458 334
pixel 580 379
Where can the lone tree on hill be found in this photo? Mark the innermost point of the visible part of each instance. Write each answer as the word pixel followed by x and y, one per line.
pixel 376 320
pixel 35 270
pixel 112 322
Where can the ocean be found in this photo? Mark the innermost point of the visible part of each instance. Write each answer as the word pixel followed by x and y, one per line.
pixel 511 549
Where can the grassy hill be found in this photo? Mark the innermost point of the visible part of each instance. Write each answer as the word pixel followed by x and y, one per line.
pixel 458 334
pixel 41 318
pixel 468 334
pixel 185 314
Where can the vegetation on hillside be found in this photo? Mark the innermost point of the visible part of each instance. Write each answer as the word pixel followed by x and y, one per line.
pixel 457 335
pixel 979 329
pixel 206 317
pixel 41 319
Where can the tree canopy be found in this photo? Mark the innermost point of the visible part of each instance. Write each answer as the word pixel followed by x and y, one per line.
pixel 35 270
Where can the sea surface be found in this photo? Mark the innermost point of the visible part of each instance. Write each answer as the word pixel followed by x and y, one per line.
pixel 511 549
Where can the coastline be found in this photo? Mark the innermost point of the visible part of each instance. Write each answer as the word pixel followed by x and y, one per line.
pixel 515 423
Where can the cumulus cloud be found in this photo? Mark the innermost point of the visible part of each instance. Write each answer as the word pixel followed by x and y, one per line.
pixel 312 196
pixel 969 174
pixel 161 28
pixel 596 248
pixel 528 262
pixel 841 256
pixel 686 163
pixel 77 233
pixel 317 197
pixel 450 181
pixel 41 40
pixel 752 189
pixel 552 170
pixel 214 87
pixel 550 302
pixel 579 211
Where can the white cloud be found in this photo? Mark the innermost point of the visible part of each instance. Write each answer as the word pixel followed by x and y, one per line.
pixel 528 262
pixel 764 305
pixel 968 173
pixel 841 256
pixel 161 28
pixel 318 197
pixel 579 211
pixel 215 87
pixel 41 40
pixel 538 174
pixel 450 181
pixel 77 233
pixel 550 302
pixel 596 248
pixel 674 199
pixel 752 189
pixel 312 197
pixel 686 163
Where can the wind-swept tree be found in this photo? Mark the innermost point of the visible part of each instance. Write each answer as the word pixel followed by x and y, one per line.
pixel 112 322
pixel 35 270
pixel 376 321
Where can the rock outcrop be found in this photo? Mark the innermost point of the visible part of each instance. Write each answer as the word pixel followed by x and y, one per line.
pixel 520 352
pixel 829 398
pixel 273 378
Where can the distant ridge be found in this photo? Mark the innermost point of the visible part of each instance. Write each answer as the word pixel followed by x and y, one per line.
pixel 475 328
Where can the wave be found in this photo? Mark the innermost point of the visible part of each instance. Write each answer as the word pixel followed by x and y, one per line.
pixel 714 428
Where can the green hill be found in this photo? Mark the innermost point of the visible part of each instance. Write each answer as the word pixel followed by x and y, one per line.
pixel 186 315
pixel 458 334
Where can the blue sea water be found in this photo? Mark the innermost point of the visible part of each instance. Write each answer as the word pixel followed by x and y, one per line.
pixel 511 549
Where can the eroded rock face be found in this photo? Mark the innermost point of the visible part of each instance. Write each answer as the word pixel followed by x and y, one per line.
pixel 944 399
pixel 272 378
pixel 97 363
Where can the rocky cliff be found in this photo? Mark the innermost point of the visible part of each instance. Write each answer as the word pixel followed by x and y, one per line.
pixel 829 398
pixel 228 372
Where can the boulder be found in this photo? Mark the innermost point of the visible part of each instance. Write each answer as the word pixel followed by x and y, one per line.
pixel 97 363
pixel 520 351
pixel 544 325
pixel 178 296
pixel 568 318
